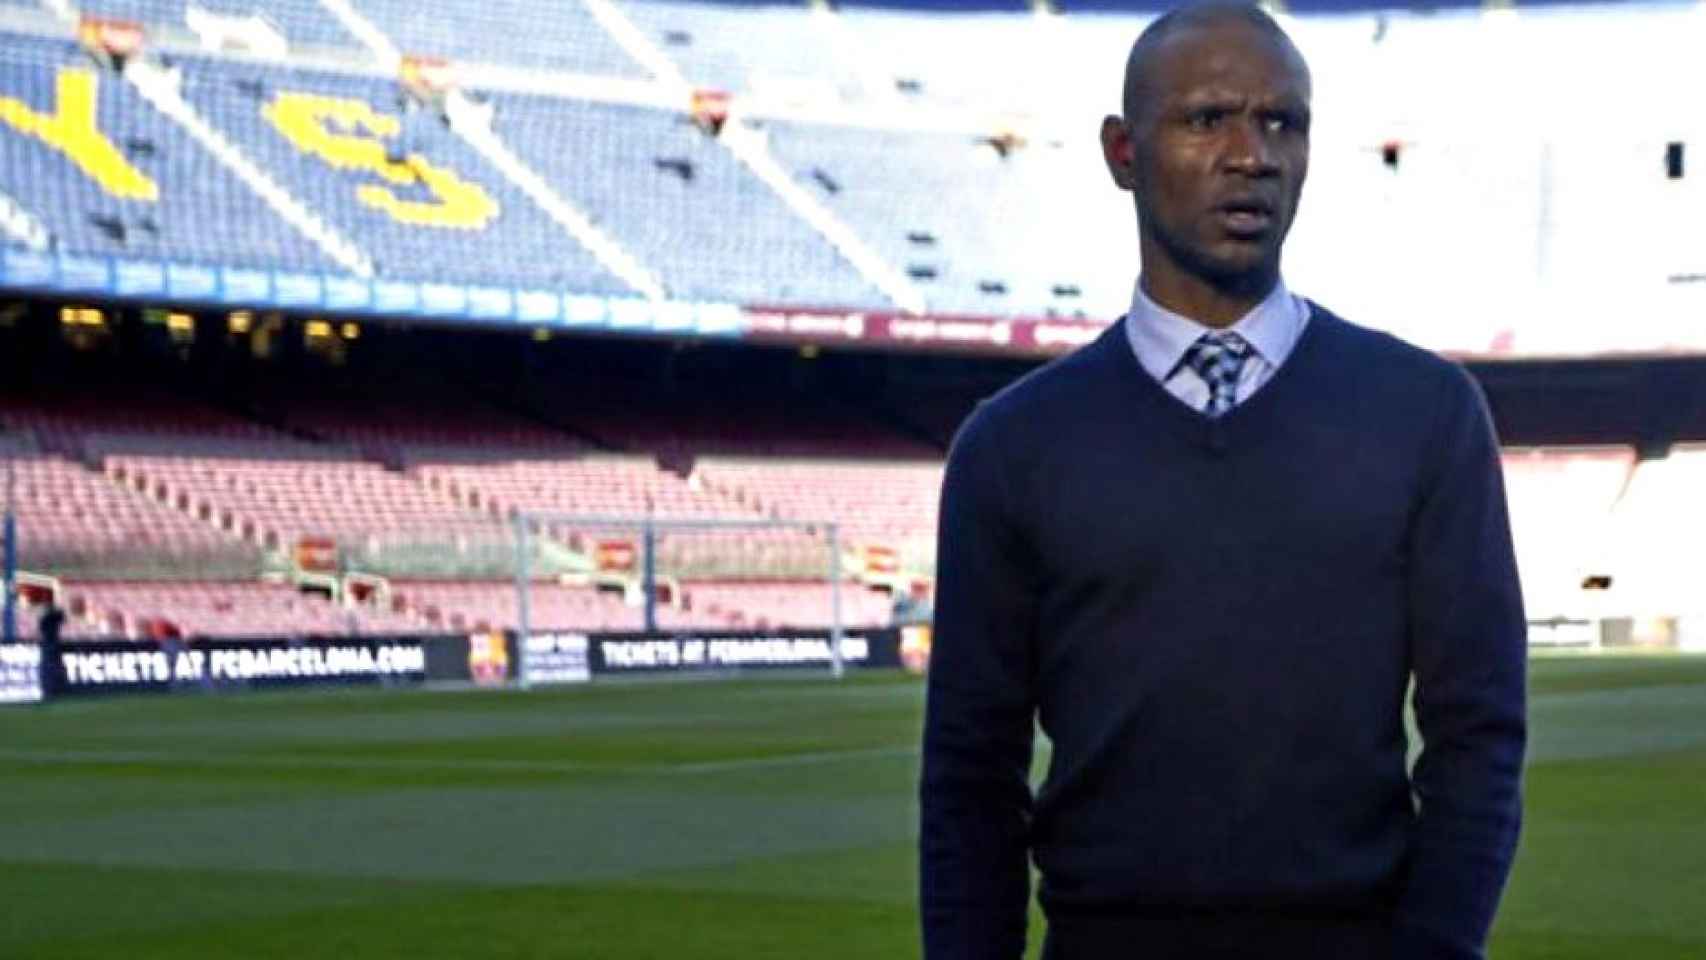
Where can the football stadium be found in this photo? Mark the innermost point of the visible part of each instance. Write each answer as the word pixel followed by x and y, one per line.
pixel 472 466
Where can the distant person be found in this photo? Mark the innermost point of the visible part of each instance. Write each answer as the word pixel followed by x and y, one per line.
pixel 912 605
pixel 49 627
pixel 1208 553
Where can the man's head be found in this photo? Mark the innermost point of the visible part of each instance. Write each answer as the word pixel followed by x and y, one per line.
pixel 1214 144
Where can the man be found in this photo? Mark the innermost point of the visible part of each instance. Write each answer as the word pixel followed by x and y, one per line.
pixel 49 626
pixel 1208 553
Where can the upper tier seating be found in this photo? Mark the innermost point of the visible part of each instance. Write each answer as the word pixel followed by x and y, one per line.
pixel 707 227
pixel 416 198
pixel 759 48
pixel 561 35
pixel 946 203
pixel 303 23
pixel 142 187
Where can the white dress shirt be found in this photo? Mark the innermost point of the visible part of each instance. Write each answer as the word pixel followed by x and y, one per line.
pixel 1159 337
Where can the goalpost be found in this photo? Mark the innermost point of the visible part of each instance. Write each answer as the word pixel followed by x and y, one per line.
pixel 668 576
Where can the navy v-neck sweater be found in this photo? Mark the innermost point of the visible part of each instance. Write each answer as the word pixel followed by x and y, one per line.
pixel 1215 623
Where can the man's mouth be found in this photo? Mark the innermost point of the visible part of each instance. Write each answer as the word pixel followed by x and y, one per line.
pixel 1246 215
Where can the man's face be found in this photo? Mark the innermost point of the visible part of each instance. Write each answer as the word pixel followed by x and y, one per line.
pixel 1218 148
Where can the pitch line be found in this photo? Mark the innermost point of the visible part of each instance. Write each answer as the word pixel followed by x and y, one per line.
pixel 297 761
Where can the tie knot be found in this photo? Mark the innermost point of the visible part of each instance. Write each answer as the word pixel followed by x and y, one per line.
pixel 1217 352
pixel 1218 358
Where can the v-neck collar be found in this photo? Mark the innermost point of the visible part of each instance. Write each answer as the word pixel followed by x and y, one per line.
pixel 1216 431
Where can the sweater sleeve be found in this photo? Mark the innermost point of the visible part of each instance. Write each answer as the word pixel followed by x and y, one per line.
pixel 975 798
pixel 1468 649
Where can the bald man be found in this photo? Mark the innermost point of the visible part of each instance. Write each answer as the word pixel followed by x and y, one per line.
pixel 1209 553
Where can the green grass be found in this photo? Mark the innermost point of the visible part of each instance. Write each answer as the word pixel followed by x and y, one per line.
pixel 745 820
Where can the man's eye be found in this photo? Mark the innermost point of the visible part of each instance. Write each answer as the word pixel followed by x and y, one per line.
pixel 1205 119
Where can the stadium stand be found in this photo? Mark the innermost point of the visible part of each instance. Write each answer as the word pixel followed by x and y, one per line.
pixel 629 487
pixel 489 605
pixel 84 424
pixel 74 519
pixel 398 423
pixel 71 518
pixel 731 417
pixel 787 604
pixel 997 63
pixel 276 496
pixel 154 610
pixel 1657 534
pixel 413 480
pixel 771 48
pixel 655 182
pixel 423 204
pixel 107 174
pixel 492 605
pixel 303 23
pixel 892 503
pixel 1561 506
pixel 558 36
pixel 944 206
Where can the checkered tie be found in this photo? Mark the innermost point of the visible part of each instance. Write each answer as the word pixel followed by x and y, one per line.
pixel 1218 358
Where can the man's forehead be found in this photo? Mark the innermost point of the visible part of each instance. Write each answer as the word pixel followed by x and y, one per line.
pixel 1228 53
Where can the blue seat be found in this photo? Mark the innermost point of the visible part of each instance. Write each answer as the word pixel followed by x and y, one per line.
pixel 202 212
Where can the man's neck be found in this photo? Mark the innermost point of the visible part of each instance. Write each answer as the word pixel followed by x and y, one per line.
pixel 1206 303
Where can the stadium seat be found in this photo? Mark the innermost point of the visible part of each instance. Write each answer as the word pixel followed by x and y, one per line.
pixel 714 232
pixel 141 186
pixel 561 36
pixel 1561 506
pixel 220 609
pixel 304 23
pixel 416 198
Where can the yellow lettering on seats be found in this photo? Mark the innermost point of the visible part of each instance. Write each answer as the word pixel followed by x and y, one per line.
pixel 71 129
pixel 349 135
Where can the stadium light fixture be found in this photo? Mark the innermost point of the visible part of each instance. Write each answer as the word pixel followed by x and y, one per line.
pixel 82 317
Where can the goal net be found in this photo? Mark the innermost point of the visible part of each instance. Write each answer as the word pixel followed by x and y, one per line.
pixel 687 594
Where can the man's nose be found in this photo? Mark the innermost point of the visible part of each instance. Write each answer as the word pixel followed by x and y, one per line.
pixel 1249 149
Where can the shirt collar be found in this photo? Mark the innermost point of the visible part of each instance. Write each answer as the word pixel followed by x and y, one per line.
pixel 1160 337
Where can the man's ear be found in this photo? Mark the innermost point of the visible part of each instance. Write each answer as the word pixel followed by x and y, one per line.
pixel 1118 151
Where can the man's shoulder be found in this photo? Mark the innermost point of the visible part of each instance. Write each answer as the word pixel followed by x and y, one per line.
pixel 1386 355
pixel 1061 387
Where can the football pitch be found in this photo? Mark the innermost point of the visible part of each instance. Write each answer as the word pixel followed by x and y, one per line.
pixel 739 819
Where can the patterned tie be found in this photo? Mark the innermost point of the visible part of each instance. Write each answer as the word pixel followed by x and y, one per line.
pixel 1218 358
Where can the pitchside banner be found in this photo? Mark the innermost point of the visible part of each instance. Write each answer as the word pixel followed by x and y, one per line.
pixel 20 673
pixel 128 666
pixel 557 657
pixel 618 653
